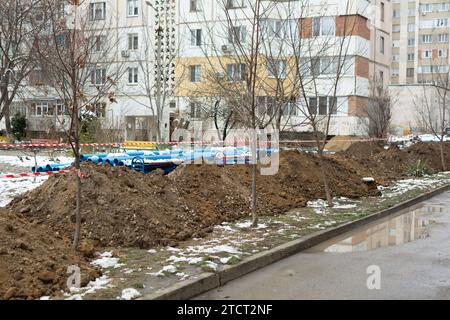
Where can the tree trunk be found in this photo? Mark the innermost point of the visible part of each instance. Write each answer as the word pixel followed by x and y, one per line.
pixel 7 117
pixel 255 217
pixel 326 186
pixel 441 147
pixel 77 235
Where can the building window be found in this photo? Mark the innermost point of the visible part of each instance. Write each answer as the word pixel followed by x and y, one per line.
pixel 195 73
pixel 277 68
pixel 237 35
pixel 195 6
pixel 236 72
pixel 233 4
pixel 410 72
pixel 411 56
pixel 442 53
pixel 133 75
pixel 98 43
pixel 97 10
pixel 427 54
pixel 41 109
pixel 98 76
pixel 427 38
pixel 411 27
pixel 133 8
pixel 382 43
pixel 133 41
pixel 196 37
pixel 383 9
pixel 61 109
pixel 443 37
pixel 290 109
pixel 411 42
pixel 324 26
pixel 196 110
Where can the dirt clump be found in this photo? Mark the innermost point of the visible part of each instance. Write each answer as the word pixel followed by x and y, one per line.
pixel 391 164
pixel 122 207
pixel 34 261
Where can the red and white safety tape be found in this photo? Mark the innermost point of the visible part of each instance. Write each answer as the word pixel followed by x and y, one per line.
pixel 37 174
pixel 143 143
pixel 55 145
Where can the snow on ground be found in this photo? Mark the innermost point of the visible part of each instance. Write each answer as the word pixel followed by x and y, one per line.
pixel 27 161
pixel 10 188
pixel 129 294
pixel 107 260
pixel 78 293
pixel 402 186
pixel 248 224
pixel 320 205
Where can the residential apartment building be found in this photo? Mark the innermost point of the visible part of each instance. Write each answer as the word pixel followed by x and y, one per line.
pixel 139 38
pixel 361 28
pixel 165 47
pixel 420 58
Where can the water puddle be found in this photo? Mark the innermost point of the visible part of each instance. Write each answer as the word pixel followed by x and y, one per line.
pixel 393 231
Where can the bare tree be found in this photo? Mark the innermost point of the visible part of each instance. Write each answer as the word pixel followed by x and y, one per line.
pixel 433 103
pixel 235 75
pixel 377 115
pixel 20 23
pixel 322 59
pixel 77 57
pixel 156 59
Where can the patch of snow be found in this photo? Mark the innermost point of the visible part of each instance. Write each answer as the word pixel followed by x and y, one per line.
pixel 171 249
pixel 227 259
pixel 28 161
pixel 129 294
pixel 106 260
pixel 11 188
pixel 244 225
pixel 225 228
pixel 212 265
pixel 189 260
pixel 214 249
pixel 152 251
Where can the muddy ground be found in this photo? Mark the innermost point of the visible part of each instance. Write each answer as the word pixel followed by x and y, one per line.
pixel 34 260
pixel 126 208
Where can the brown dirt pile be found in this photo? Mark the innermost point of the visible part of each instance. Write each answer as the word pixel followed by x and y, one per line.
pixel 126 208
pixel 33 262
pixel 388 165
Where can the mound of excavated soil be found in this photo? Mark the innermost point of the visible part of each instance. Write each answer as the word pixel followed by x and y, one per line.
pixel 388 165
pixel 122 207
pixel 364 149
pixel 33 262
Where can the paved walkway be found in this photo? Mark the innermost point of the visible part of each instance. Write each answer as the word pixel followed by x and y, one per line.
pixel 412 252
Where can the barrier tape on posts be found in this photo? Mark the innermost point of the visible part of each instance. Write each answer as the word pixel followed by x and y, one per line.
pixel 37 174
pixel 145 143
pixel 55 145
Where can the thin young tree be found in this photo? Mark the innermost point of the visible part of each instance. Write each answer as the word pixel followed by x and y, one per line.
pixel 322 59
pixel 21 21
pixel 238 73
pixel 78 60
pixel 433 104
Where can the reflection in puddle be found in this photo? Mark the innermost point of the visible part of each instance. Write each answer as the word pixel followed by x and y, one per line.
pixel 391 232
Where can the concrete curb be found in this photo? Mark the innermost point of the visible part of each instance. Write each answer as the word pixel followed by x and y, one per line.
pixel 208 281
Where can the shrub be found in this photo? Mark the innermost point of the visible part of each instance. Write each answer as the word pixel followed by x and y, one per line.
pixel 418 168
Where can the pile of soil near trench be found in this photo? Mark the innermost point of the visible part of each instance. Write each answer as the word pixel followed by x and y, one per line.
pixel 122 207
pixel 33 261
